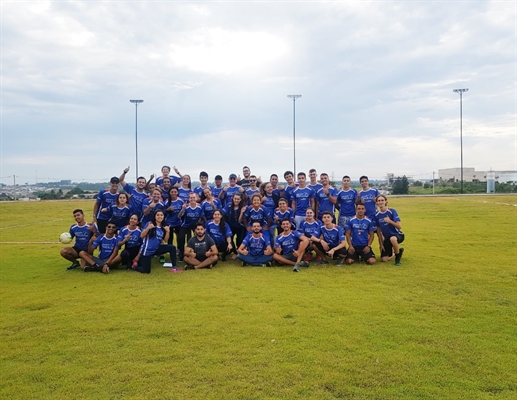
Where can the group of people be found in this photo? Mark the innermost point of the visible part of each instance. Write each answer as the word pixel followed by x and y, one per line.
pixel 247 219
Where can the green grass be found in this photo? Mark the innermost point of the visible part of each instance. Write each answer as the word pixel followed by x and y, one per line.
pixel 441 326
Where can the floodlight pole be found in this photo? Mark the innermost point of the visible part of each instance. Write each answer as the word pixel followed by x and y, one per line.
pixel 294 97
pixel 136 102
pixel 461 91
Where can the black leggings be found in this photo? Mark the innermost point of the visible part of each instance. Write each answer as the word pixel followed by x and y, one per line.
pixel 173 230
pixel 129 254
pixel 184 231
pixel 144 264
pixel 240 233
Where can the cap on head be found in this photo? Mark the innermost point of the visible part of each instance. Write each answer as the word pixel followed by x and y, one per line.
pixel 114 180
pixel 233 176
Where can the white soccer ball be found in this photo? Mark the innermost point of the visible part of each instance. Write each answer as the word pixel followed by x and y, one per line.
pixel 65 238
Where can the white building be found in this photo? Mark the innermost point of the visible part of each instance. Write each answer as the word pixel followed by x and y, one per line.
pixel 470 174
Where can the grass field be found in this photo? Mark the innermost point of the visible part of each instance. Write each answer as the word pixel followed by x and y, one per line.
pixel 442 326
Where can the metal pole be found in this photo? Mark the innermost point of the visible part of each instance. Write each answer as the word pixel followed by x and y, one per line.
pixel 136 102
pixel 433 182
pixel 461 91
pixel 294 97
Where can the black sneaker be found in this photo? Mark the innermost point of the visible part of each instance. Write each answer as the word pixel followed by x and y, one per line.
pixel 321 262
pixel 340 261
pixel 296 267
pixel 304 264
pixel 401 251
pixel 188 266
pixel 74 265
pixel 93 268
pixel 244 264
pixel 269 264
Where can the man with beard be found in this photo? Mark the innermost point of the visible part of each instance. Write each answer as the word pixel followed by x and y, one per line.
pixel 137 194
pixel 255 248
pixel 201 251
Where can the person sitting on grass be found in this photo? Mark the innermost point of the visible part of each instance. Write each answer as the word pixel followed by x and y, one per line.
pixel 310 227
pixel 330 241
pixel 201 251
pixel 359 235
pixel 129 236
pixel 82 232
pixel 290 246
pixel 389 231
pixel 221 232
pixel 108 251
pixel 255 249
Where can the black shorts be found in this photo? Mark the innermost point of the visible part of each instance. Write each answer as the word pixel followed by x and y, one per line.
pixel 360 255
pixel 201 257
pixel 78 250
pixel 290 257
pixel 337 253
pixel 388 248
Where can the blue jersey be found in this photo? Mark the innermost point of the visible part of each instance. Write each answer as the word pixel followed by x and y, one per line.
pixel 174 180
pixel 105 245
pixel 359 230
pixel 269 204
pixel 134 240
pixel 136 199
pixel 277 192
pixel 183 194
pixel 199 190
pixel 208 209
pixel 324 203
pixel 82 235
pixel 346 200
pixel 152 241
pixel 149 217
pixel 105 199
pixel 387 229
pixel 369 197
pixel 302 197
pixel 191 216
pixel 251 192
pixel 315 187
pixel 228 195
pixel 213 230
pixel 216 191
pixel 288 243
pixel 310 229
pixel 120 215
pixel 171 216
pixel 333 236
pixel 257 246
pixel 288 194
pixel 260 215
pixel 278 215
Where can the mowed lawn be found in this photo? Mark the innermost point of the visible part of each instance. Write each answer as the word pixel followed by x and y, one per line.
pixel 442 326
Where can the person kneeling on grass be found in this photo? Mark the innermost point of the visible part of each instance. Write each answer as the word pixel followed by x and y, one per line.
pixel 359 235
pixel 82 232
pixel 389 231
pixel 129 237
pixel 108 251
pixel 255 248
pixel 290 247
pixel 201 251
pixel 330 240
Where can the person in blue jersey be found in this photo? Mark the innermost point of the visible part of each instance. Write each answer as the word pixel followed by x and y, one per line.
pixel 346 199
pixel 203 178
pixel 254 213
pixel 256 249
pixel 282 212
pixel 252 188
pixel 313 181
pixel 155 234
pixel 278 190
pixel 270 203
pixel 166 173
pixel 120 211
pixel 288 190
pixel 290 247
pixel 209 203
pixel 302 198
pixel 137 194
pixel 185 188
pixel 105 198
pixel 129 238
pixel 218 186
pixel 359 235
pixel 108 251
pixel 151 205
pixel 172 211
pixel 367 196
pixel 82 232
pixel 233 213
pixel 310 227
pixel 330 241
pixel 326 197
pixel 201 251
pixel 229 190
pixel 191 213
pixel 165 187
pixel 389 231
pixel 221 232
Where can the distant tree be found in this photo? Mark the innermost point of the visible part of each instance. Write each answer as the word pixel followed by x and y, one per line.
pixel 417 183
pixel 400 185
pixel 427 185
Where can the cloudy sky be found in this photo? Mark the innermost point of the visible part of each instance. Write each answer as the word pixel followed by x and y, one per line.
pixel 376 80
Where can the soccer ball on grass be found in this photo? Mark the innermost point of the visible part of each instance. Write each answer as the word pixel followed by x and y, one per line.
pixel 65 238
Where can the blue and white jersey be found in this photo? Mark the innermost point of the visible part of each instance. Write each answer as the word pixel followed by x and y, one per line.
pixel 105 199
pixel 251 192
pixel 324 203
pixel 333 236
pixel 302 197
pixel 212 230
pixel 208 209
pixel 171 216
pixel 216 191
pixel 199 190
pixel 134 240
pixel 259 215
pixel 279 215
pixel 269 204
pixel 191 216
pixel 165 194
pixel 369 197
pixel 288 243
pixel 149 217
pixel 387 229
pixel 346 200
pixel 228 195
pixel 277 192
pixel 174 180
pixel 82 235
pixel 120 215
pixel 151 244
pixel 359 230
pixel 288 194
pixel 315 187
pixel 183 194
pixel 105 246
pixel 136 199
pixel 310 229
pixel 256 246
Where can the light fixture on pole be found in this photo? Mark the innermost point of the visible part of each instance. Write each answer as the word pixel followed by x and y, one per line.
pixel 461 91
pixel 294 97
pixel 136 103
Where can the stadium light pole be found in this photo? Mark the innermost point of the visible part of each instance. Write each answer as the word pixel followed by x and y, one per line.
pixel 294 97
pixel 136 103
pixel 461 91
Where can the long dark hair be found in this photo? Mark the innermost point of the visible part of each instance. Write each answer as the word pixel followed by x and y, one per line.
pixel 222 223
pixel 152 232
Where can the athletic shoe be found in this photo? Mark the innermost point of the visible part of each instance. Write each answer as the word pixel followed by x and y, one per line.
pixel 401 251
pixel 162 259
pixel 188 266
pixel 244 264
pixel 134 265
pixel 93 268
pixel 105 271
pixel 74 265
pixel 304 264
pixel 321 262
pixel 397 263
pixel 175 270
pixel 340 261
pixel 296 267
pixel 268 264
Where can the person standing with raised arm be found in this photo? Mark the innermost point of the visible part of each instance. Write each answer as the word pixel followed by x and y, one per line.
pixel 137 194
